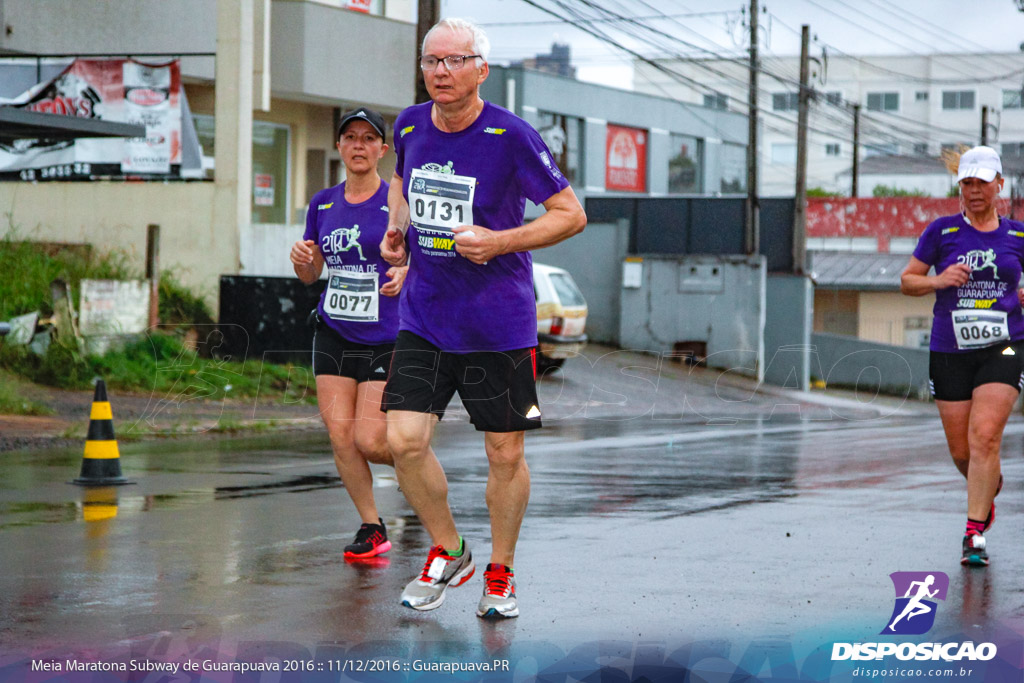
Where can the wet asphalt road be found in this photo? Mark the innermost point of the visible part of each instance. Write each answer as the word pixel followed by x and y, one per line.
pixel 665 508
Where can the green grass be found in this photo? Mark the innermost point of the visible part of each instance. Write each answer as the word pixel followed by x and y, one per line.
pixel 156 362
pixel 13 401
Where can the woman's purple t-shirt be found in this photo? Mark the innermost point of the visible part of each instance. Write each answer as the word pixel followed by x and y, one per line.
pixel 483 176
pixel 349 238
pixel 972 316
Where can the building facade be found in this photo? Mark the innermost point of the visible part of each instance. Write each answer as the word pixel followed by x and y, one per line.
pixel 265 81
pixel 910 105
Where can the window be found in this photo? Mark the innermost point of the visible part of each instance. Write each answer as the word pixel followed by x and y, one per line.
pixel 921 96
pixel 564 137
pixel 716 101
pixel 834 97
pixel 886 149
pixel 733 163
pixel 921 148
pixel 205 132
pixel 1012 149
pixel 1012 99
pixel 270 172
pixel 958 99
pixel 785 101
pixel 784 153
pixel 832 149
pixel 883 101
pixel 686 165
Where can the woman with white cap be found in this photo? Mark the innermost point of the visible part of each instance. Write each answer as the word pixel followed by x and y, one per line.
pixel 977 342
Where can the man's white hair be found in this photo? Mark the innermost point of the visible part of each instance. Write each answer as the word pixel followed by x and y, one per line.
pixel 481 43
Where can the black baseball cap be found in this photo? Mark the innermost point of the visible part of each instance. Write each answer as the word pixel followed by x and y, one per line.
pixel 369 115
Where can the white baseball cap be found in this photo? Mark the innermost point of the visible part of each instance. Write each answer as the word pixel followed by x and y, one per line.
pixel 980 162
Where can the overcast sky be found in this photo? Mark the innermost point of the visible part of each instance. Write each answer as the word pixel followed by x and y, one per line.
pixel 519 30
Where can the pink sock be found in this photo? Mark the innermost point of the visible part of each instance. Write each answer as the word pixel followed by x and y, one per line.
pixel 974 527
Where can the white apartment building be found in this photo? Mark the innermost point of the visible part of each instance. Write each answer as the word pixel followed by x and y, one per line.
pixel 910 106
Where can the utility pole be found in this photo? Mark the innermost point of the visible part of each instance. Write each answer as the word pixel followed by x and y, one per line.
pixel 800 211
pixel 428 14
pixel 752 229
pixel 856 149
pixel 984 124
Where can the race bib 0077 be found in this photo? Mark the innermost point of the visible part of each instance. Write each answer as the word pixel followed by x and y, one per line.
pixel 440 201
pixel 352 296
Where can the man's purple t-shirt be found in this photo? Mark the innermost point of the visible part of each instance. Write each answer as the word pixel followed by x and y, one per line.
pixel 483 176
pixel 985 310
pixel 349 238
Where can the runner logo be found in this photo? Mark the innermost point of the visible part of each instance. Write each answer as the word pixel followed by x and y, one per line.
pixel 978 259
pixel 916 593
pixel 343 239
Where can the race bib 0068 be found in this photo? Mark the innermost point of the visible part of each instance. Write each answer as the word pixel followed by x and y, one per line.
pixel 977 329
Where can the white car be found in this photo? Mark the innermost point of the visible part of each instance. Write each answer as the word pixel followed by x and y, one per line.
pixel 561 316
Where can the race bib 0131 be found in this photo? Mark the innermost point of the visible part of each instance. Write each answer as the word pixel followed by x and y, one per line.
pixel 440 201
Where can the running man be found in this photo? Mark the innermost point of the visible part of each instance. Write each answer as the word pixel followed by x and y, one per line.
pixel 977 345
pixel 468 318
pixel 357 317
pixel 915 607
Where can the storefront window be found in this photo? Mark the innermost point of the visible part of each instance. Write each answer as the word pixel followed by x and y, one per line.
pixel 564 137
pixel 269 172
pixel 686 165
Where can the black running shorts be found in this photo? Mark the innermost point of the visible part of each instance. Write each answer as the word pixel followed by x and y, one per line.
pixel 335 355
pixel 497 388
pixel 954 376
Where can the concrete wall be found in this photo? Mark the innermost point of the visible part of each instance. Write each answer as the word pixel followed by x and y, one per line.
pixel 264 248
pixel 848 362
pixel 113 216
pixel 325 54
pixel 883 315
pixel 719 300
pixel 789 309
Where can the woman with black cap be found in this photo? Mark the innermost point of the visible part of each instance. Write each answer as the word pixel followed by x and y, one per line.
pixel 977 342
pixel 357 317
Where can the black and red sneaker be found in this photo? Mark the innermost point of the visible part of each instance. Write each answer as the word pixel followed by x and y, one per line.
pixel 371 540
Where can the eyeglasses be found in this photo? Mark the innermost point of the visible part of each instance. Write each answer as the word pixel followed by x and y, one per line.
pixel 451 62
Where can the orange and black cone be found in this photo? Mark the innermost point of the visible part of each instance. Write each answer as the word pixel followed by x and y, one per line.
pixel 101 464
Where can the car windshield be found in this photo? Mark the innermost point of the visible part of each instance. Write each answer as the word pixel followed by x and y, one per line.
pixel 566 290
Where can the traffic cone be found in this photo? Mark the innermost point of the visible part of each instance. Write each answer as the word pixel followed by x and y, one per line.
pixel 101 464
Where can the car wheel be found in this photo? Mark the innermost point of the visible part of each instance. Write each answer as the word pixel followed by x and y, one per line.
pixel 544 363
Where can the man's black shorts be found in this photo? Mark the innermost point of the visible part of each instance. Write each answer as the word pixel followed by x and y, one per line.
pixel 497 388
pixel 335 355
pixel 954 376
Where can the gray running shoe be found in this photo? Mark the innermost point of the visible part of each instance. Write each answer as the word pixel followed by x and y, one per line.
pixel 441 571
pixel 499 600
pixel 974 554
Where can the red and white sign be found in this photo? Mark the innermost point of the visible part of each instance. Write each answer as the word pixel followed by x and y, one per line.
pixel 625 159
pixel 358 5
pixel 121 90
pixel 263 189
